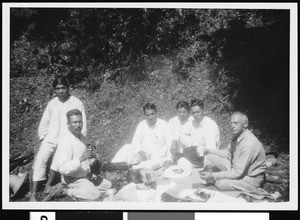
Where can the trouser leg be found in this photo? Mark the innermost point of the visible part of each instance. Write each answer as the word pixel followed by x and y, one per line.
pixel 83 189
pixel 247 183
pixel 45 151
pixel 216 162
pixel 126 154
pixel 192 156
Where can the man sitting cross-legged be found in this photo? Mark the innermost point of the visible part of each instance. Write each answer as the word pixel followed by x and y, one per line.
pixel 72 157
pixel 181 129
pixel 150 147
pixel 241 165
pixel 204 135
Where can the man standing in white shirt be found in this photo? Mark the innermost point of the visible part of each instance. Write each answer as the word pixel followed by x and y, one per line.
pixel 52 127
pixel 150 147
pixel 72 156
pixel 205 134
pixel 181 130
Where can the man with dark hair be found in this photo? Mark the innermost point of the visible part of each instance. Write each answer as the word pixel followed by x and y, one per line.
pixel 72 156
pixel 151 142
pixel 205 134
pixel 181 129
pixel 52 127
pixel 241 165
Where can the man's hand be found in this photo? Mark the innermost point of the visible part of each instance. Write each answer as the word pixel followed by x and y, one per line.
pixel 207 151
pixel 174 147
pixel 86 155
pixel 207 176
pixel 167 164
pixel 143 155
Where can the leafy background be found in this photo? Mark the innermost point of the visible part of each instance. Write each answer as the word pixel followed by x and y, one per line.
pixel 118 59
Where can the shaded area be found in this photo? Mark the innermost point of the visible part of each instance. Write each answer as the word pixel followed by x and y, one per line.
pixel 256 61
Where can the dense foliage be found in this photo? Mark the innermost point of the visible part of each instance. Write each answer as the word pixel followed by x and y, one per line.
pixel 117 59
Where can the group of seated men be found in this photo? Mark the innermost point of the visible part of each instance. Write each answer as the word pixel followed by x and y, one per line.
pixel 189 136
pixel 196 138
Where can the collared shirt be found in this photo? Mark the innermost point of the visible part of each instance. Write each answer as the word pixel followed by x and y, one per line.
pixel 181 131
pixel 69 150
pixel 247 157
pixel 54 121
pixel 154 140
pixel 207 134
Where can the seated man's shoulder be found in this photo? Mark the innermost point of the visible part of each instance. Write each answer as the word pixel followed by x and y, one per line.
pixel 161 121
pixel 66 137
pixel 174 120
pixel 210 122
pixel 250 143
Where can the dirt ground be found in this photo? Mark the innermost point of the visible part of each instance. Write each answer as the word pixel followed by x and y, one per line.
pixel 118 179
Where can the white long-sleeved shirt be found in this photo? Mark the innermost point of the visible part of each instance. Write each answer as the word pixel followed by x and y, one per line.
pixel 181 131
pixel 206 135
pixel 54 120
pixel 69 150
pixel 154 140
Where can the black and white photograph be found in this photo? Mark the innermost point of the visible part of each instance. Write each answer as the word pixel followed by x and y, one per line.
pixel 150 106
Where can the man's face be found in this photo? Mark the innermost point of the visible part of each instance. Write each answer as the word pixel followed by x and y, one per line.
pixel 197 113
pixel 151 117
pixel 237 125
pixel 183 114
pixel 75 124
pixel 61 91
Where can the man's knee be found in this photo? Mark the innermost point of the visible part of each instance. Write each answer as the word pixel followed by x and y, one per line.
pixel 209 160
pixel 225 185
pixel 192 156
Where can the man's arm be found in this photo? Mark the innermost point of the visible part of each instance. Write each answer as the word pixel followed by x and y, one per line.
pixel 240 166
pixel 225 153
pixel 67 164
pixel 212 137
pixel 44 124
pixel 137 138
pixel 169 142
pixel 84 121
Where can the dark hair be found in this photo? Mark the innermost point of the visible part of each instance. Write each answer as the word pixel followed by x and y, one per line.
pixel 183 104
pixel 73 112
pixel 197 102
pixel 149 106
pixel 60 80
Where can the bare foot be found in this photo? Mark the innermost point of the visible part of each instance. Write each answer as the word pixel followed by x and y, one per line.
pixel 47 189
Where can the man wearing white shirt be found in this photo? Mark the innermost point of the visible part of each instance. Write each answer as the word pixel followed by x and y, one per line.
pixel 52 127
pixel 205 134
pixel 181 129
pixel 150 147
pixel 72 156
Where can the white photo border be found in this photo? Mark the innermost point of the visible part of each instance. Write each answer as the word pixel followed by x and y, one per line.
pixel 291 205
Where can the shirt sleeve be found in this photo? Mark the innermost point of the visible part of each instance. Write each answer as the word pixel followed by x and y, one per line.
pixel 67 165
pixel 240 165
pixel 225 153
pixel 45 122
pixel 174 131
pixel 137 138
pixel 169 139
pixel 212 137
